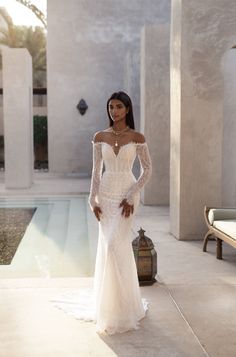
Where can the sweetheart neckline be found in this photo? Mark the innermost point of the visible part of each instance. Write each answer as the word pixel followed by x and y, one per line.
pixel 121 146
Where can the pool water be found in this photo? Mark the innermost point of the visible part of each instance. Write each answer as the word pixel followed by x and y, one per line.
pixel 60 240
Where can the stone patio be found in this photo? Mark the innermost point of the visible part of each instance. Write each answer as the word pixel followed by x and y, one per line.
pixel 192 306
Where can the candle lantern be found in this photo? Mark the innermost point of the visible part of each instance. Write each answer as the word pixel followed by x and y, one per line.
pixel 146 258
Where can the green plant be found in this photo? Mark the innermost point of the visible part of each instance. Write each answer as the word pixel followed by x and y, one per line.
pixel 40 130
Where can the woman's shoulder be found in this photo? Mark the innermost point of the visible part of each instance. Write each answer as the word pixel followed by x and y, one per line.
pixel 138 137
pixel 101 135
pixel 98 136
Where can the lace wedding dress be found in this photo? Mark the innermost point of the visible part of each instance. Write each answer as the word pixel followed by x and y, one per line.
pixel 114 303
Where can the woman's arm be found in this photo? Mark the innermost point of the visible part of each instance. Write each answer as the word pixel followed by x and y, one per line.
pixel 146 171
pixel 96 174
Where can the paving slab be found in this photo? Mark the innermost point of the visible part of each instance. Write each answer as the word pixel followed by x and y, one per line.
pixel 210 311
pixel 33 327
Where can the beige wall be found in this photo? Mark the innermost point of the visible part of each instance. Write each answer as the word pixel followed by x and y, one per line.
pixel 229 130
pixel 175 114
pixel 1 106
pixel 155 109
pixel 37 109
pixel 201 33
pixel 93 50
pixel 18 126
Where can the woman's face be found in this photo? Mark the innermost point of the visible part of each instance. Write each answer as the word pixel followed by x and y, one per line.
pixel 117 110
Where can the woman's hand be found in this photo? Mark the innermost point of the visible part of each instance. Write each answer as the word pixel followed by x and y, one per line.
pixel 127 208
pixel 97 211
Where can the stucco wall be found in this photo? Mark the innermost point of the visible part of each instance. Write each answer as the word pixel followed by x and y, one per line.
pixel 1 107
pixel 17 110
pixel 229 130
pixel 93 50
pixel 201 34
pixel 155 109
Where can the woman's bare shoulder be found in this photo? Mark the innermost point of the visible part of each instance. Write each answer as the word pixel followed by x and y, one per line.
pixel 139 137
pixel 99 135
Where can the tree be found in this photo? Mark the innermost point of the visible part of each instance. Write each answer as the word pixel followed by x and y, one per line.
pixel 34 39
pixel 9 36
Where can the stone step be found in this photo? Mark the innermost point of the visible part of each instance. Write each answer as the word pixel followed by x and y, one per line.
pixel 76 257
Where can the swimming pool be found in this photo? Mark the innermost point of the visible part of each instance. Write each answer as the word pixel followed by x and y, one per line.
pixel 60 240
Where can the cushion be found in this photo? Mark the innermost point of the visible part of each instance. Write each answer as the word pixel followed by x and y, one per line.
pixel 218 214
pixel 228 226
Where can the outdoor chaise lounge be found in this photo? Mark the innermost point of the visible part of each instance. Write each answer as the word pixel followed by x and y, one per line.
pixel 221 223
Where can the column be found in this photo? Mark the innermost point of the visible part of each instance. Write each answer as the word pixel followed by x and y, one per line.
pixel 198 43
pixel 18 118
pixel 155 109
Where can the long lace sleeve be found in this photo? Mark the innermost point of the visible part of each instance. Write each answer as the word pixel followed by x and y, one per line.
pixel 146 171
pixel 96 174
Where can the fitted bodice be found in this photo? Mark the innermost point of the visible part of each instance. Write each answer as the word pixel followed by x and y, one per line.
pixel 118 180
pixel 118 176
pixel 120 163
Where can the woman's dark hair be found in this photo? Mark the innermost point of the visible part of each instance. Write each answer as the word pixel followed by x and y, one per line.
pixel 125 99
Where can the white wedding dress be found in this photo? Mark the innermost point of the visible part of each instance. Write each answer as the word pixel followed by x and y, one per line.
pixel 114 303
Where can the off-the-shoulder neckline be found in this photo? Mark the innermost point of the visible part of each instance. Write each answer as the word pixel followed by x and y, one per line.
pixel 121 146
pixel 131 142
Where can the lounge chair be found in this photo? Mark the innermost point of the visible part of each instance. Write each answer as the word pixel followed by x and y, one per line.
pixel 221 223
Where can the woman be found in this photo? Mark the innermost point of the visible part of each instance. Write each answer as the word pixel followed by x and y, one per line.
pixel 114 199
pixel 115 304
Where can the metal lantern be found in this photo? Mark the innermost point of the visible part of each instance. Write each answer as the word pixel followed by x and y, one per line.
pixel 145 258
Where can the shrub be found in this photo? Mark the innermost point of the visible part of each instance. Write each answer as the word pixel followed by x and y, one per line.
pixel 40 130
